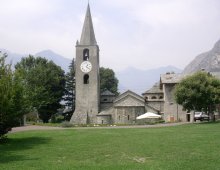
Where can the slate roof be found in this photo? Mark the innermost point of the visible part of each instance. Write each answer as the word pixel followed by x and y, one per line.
pixel 88 35
pixel 107 93
pixel 171 78
pixel 106 112
pixel 154 89
pixel 130 94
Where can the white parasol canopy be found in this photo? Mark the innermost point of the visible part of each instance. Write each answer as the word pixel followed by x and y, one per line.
pixel 149 115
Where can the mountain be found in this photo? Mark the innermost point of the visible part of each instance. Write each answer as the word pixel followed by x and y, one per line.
pixel 131 78
pixel 12 58
pixel 210 61
pixel 141 80
pixel 48 54
pixel 56 58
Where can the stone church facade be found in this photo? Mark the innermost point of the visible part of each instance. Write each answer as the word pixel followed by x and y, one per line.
pixel 124 110
pixel 93 107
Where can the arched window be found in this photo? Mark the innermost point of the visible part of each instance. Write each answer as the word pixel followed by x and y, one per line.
pixel 153 97
pixel 86 54
pixel 161 97
pixel 86 79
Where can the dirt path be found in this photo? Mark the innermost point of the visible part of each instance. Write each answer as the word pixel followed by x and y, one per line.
pixel 36 127
pixel 33 127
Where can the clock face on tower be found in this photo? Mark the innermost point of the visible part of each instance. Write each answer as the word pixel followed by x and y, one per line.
pixel 86 66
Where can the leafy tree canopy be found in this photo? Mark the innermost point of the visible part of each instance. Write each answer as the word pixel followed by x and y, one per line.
pixel 198 92
pixel 12 105
pixel 43 82
pixel 108 80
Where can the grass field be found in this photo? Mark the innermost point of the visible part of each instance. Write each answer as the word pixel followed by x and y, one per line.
pixel 185 147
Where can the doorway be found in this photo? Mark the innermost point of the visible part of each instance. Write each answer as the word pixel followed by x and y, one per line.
pixel 188 117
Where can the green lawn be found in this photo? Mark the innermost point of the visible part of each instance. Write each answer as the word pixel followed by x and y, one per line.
pixel 188 147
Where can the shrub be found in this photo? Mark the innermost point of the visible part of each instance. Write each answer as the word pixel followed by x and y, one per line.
pixel 56 118
pixel 66 124
pixel 32 117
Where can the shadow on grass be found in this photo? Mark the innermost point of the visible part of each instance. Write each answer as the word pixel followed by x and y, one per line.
pixel 11 149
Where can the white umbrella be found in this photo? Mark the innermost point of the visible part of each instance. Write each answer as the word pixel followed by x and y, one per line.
pixel 149 115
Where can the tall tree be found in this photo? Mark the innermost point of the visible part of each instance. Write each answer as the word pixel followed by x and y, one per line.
pixel 11 98
pixel 108 80
pixel 43 82
pixel 198 92
pixel 69 97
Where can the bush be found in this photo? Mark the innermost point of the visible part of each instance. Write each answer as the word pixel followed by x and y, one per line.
pixel 32 117
pixel 161 121
pixel 56 118
pixel 66 124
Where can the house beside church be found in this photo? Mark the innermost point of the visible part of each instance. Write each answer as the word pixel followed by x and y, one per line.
pixel 160 99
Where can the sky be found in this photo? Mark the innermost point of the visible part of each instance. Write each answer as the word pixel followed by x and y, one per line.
pixel 143 34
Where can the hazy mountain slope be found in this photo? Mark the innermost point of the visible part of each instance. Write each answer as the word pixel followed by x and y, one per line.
pixel 12 58
pixel 131 78
pixel 141 80
pixel 56 58
pixel 210 61
pixel 48 54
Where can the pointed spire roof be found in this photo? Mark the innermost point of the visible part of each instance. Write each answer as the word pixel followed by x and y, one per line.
pixel 88 35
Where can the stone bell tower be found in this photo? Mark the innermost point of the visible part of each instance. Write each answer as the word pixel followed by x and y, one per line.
pixel 87 90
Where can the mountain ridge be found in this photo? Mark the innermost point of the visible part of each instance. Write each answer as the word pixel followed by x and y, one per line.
pixel 141 80
pixel 209 61
pixel 58 59
pixel 138 80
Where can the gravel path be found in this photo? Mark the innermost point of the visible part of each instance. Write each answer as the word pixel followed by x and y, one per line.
pixel 36 127
pixel 33 127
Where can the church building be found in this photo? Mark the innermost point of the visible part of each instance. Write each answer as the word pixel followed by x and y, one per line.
pixel 91 107
pixel 87 89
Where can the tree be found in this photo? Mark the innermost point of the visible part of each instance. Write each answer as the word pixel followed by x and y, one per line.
pixel 198 92
pixel 108 80
pixel 11 98
pixel 43 83
pixel 69 97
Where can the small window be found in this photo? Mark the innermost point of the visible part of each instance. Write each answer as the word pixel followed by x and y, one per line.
pixel 161 97
pixel 146 99
pixel 105 100
pixel 86 79
pixel 153 97
pixel 85 54
pixel 119 117
pixel 128 117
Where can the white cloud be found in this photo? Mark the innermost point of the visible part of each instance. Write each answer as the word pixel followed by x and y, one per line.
pixel 164 32
pixel 143 33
